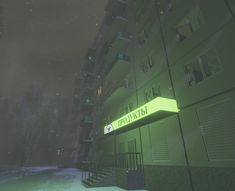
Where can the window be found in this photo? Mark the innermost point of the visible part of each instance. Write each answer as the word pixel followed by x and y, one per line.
pixel 152 92
pixel 210 63
pixel 144 34
pixel 193 73
pixel 140 5
pixel 125 110
pixel 204 66
pixel 147 64
pixel 183 31
pixel 129 108
pixel 142 38
pixel 189 24
pixel 107 120
pixel 88 100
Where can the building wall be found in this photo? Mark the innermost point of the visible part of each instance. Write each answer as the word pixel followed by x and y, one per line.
pixel 186 52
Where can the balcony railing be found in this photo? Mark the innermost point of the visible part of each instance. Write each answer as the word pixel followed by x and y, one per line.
pixel 117 91
pixel 130 161
pixel 117 8
pixel 90 64
pixel 87 141
pixel 87 121
pixel 117 45
pixel 118 68
pixel 90 60
pixel 88 103
pixel 88 77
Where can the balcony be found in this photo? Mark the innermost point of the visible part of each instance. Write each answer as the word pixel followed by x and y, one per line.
pixel 87 141
pixel 87 121
pixel 118 69
pixel 117 7
pixel 141 7
pixel 90 60
pixel 118 45
pixel 76 91
pixel 117 92
pixel 86 162
pixel 88 77
pixel 76 105
pixel 87 103
pixel 115 24
pixel 88 91
pixel 75 112
pixel 90 64
pixel 76 99
pixel 116 19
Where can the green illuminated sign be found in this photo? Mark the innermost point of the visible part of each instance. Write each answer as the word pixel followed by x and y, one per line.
pixel 153 107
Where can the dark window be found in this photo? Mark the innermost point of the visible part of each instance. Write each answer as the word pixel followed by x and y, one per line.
pixel 203 67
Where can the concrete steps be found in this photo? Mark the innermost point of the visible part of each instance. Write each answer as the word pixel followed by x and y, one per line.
pixel 104 177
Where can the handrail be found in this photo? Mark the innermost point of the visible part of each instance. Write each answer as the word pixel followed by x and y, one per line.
pixel 123 57
pixel 89 169
pixel 127 161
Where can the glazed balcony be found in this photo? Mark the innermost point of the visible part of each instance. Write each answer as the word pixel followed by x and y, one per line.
pixel 117 7
pixel 87 141
pixel 140 9
pixel 90 64
pixel 115 24
pixel 88 77
pixel 117 92
pixel 118 45
pixel 90 60
pixel 87 121
pixel 116 18
pixel 118 69
pixel 88 103
pixel 87 91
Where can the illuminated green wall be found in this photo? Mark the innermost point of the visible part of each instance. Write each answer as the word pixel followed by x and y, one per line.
pixel 194 149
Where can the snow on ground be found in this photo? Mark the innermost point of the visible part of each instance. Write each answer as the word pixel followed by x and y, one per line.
pixel 14 173
pixel 44 179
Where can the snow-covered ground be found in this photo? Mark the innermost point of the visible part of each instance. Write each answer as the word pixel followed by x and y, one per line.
pixel 44 179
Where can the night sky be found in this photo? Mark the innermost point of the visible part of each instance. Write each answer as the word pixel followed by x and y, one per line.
pixel 44 42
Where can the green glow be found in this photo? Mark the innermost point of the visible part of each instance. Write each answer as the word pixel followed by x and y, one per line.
pixel 153 107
